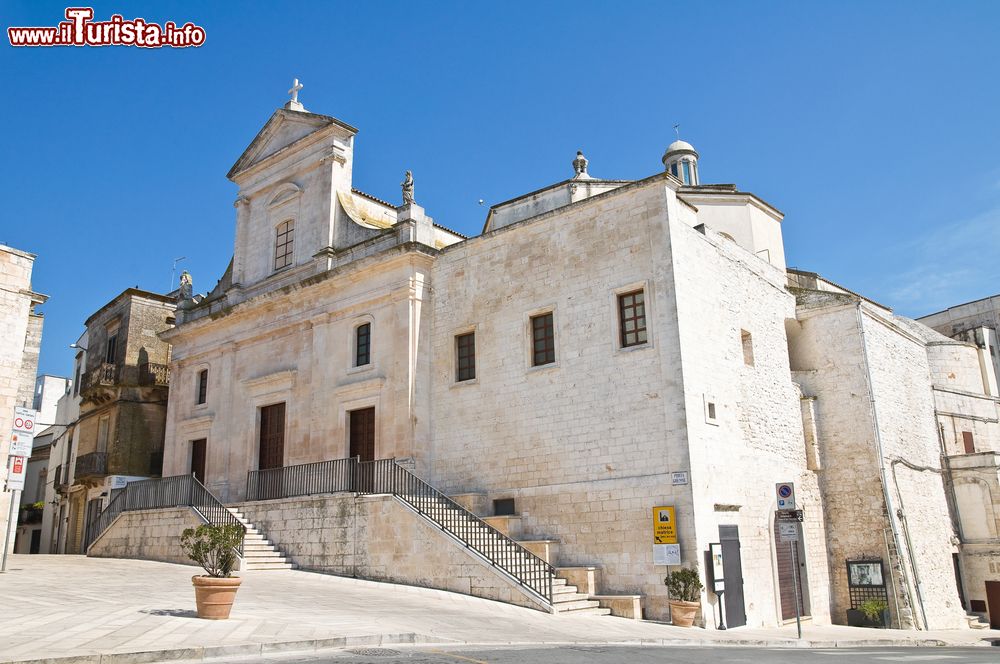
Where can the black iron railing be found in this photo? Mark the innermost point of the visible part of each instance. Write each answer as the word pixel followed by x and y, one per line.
pixel 385 476
pixel 177 491
pixel 92 464
pixel 303 480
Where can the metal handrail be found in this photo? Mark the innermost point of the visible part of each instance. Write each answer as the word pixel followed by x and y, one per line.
pixel 176 491
pixel 302 480
pixel 386 476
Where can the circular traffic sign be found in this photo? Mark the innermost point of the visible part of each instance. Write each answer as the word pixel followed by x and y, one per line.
pixel 784 491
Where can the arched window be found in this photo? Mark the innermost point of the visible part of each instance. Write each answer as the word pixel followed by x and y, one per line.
pixel 283 244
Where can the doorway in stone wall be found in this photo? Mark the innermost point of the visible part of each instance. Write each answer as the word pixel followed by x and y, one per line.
pixel 787 588
pixel 361 438
pixel 732 570
pixel 993 603
pixel 271 454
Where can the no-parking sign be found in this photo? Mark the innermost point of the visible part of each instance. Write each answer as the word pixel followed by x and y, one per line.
pixel 24 420
pixel 786 495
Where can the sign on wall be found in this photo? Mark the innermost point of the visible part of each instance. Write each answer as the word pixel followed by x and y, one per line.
pixel 786 495
pixel 664 525
pixel 16 467
pixel 666 550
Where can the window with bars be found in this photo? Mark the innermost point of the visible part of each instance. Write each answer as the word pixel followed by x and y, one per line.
pixel 543 340
pixel 283 244
pixel 202 386
pixel 363 345
pixel 465 352
pixel 632 318
pixel 111 352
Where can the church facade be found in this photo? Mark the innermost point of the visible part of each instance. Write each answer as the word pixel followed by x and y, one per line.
pixel 604 348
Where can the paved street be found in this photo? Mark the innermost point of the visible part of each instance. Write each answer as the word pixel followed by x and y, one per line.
pixel 583 654
pixel 58 606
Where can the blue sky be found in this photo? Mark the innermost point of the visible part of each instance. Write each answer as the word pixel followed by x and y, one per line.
pixel 871 125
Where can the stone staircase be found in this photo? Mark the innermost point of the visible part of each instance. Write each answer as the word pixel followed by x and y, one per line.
pixel 976 622
pixel 574 589
pixel 258 551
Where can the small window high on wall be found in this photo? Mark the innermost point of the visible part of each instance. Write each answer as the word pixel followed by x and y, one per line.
pixel 747 341
pixel 283 244
pixel 363 345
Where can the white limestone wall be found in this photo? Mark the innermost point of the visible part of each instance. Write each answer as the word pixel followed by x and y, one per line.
pixel 15 307
pixel 378 538
pixel 584 446
pixel 828 354
pixel 147 535
pixel 900 384
pixel 757 438
pixel 297 347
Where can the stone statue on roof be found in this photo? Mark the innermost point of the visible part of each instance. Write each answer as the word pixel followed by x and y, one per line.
pixel 407 185
pixel 186 290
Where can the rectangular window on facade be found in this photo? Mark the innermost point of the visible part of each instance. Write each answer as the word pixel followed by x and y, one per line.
pixel 112 349
pixel 465 350
pixel 76 381
pixel 362 345
pixel 283 244
pixel 747 341
pixel 543 340
pixel 103 427
pixel 970 445
pixel 202 386
pixel 632 318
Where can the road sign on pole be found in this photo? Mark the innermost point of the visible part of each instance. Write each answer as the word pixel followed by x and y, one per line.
pixel 786 495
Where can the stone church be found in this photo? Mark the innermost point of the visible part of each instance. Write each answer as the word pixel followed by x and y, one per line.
pixel 602 350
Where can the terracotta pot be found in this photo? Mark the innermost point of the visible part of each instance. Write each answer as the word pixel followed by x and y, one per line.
pixel 682 613
pixel 214 596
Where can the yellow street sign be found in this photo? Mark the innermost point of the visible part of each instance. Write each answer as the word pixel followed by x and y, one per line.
pixel 664 526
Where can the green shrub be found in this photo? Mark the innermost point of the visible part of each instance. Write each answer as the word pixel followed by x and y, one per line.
pixel 684 584
pixel 873 608
pixel 213 547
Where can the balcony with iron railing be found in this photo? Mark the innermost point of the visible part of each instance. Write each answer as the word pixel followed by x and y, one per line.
pixel 91 465
pixel 147 374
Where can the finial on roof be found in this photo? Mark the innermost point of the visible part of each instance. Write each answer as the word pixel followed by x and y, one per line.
pixel 580 166
pixel 293 103
pixel 677 130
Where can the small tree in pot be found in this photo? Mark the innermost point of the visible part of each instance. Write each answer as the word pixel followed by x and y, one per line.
pixel 684 587
pixel 214 548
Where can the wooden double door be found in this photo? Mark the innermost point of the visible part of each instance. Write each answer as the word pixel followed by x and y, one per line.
pixel 361 439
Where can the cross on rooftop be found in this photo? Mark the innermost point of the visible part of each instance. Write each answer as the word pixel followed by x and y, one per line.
pixel 677 127
pixel 294 91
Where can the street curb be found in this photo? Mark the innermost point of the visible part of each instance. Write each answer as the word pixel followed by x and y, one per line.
pixel 209 653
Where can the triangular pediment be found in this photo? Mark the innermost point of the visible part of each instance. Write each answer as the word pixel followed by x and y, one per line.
pixel 283 129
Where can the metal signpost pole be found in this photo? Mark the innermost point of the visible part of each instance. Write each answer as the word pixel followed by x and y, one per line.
pixel 14 496
pixel 795 587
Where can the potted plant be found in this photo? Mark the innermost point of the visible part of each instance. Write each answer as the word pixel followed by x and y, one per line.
pixel 684 587
pixel 876 611
pixel 214 548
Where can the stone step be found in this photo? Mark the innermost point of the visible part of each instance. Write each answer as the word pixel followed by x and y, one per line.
pixel 577 605
pixel 568 598
pixel 975 622
pixel 271 566
pixel 509 525
pixel 598 611
pixel 623 606
pixel 563 588
pixel 557 582
pixel 587 578
pixel 544 549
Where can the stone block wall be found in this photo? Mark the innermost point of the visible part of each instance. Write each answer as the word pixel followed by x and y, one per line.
pixel 147 535
pixel 378 538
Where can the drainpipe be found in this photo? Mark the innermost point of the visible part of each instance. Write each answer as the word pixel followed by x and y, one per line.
pixel 881 458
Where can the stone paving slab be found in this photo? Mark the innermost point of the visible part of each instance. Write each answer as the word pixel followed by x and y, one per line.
pixel 109 611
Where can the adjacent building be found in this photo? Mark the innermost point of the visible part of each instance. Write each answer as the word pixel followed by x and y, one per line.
pixel 48 391
pixel 115 416
pixel 20 343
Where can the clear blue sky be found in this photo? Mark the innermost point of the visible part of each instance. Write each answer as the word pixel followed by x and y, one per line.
pixel 872 125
